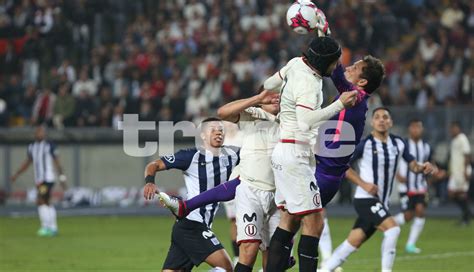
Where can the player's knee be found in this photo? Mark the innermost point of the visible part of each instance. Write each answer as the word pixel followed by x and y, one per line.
pixel 393 232
pixel 313 224
pixel 248 252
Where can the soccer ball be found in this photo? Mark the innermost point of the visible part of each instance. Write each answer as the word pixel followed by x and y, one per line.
pixel 302 17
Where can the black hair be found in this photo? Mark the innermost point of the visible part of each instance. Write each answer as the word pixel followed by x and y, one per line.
pixel 381 108
pixel 414 120
pixel 374 72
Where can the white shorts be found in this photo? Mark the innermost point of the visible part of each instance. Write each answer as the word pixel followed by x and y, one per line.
pixel 457 181
pixel 229 207
pixel 257 215
pixel 296 187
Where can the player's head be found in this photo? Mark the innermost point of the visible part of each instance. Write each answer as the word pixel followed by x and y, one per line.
pixel 455 128
pixel 366 73
pixel 415 129
pixel 322 54
pixel 212 132
pixel 381 120
pixel 40 132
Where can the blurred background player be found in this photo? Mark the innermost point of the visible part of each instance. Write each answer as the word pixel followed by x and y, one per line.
pixel 413 187
pixel 460 171
pixel 44 156
pixel 376 157
pixel 192 240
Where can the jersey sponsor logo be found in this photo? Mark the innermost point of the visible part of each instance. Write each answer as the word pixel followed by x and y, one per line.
pixel 250 230
pixel 170 158
pixel 207 234
pixel 317 199
pixel 250 218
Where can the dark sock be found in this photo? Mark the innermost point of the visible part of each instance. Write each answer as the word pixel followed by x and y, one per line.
pixel 279 250
pixel 308 253
pixel 242 268
pixel 223 192
pixel 235 248
pixel 464 205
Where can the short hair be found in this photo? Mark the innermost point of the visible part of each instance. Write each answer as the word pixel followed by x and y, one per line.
pixel 208 120
pixel 456 124
pixel 381 108
pixel 414 120
pixel 374 72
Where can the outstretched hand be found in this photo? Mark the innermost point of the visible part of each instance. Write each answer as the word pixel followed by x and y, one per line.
pixel 149 191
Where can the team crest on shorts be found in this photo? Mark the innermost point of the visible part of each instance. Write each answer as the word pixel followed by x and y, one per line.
pixel 170 158
pixel 317 199
pixel 250 230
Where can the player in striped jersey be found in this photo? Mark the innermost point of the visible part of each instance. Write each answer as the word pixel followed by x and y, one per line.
pixel 413 187
pixel 192 240
pixel 377 158
pixel 44 156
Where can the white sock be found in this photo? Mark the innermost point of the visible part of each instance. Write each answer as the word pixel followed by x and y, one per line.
pixel 400 219
pixel 325 243
pixel 389 247
pixel 416 228
pixel 43 212
pixel 53 225
pixel 339 255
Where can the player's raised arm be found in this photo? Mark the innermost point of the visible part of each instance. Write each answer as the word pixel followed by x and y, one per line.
pixel 150 171
pixel 231 111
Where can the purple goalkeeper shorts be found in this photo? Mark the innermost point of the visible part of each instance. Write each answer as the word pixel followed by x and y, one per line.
pixel 328 186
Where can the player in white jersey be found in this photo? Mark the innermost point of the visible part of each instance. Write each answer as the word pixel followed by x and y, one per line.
pixel 460 170
pixel 413 188
pixel 44 156
pixel 293 161
pixel 192 240
pixel 377 158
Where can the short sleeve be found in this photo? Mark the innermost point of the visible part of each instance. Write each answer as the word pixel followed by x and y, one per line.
pixel 53 150
pixel 465 147
pixel 406 153
pixel 358 152
pixel 180 160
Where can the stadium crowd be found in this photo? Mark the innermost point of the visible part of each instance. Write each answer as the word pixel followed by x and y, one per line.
pixel 86 62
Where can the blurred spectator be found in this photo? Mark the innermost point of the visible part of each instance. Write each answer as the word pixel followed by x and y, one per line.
pixel 84 84
pixel 43 107
pixel 446 83
pixel 64 108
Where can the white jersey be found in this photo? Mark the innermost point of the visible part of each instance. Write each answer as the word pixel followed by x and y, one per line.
pixel 260 135
pixel 42 154
pixel 301 87
pixel 415 183
pixel 459 148
pixel 377 163
pixel 203 171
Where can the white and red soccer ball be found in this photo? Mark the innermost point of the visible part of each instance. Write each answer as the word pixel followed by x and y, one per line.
pixel 303 17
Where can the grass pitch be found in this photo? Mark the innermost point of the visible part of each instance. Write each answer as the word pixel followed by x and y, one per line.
pixel 141 244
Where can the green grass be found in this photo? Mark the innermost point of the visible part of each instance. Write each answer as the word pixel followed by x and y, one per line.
pixel 141 243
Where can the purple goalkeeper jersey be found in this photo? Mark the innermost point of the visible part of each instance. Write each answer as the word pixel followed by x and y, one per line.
pixel 355 116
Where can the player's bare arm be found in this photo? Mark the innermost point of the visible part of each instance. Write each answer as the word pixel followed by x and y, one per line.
pixel 150 187
pixel 22 169
pixel 353 177
pixel 61 175
pixel 400 178
pixel 231 111
pixel 425 168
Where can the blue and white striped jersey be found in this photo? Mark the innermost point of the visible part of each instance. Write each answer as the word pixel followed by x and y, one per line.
pixel 415 183
pixel 203 171
pixel 42 154
pixel 377 162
